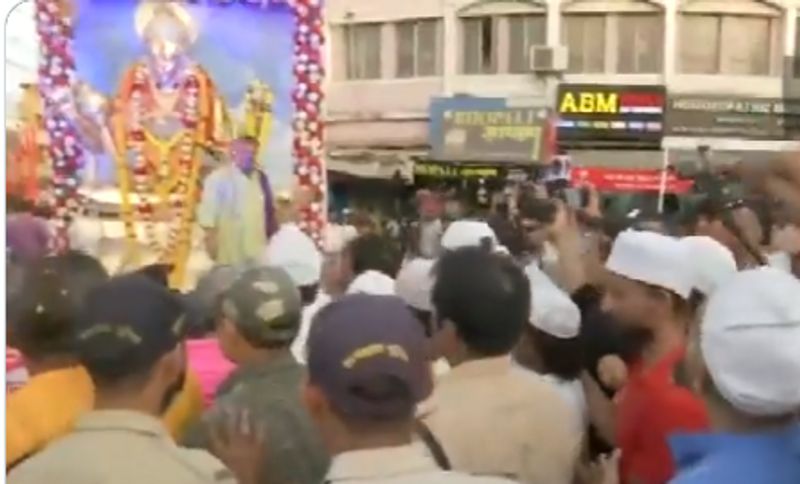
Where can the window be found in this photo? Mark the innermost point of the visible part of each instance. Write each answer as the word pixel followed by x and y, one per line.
pixel 745 43
pixel 585 37
pixel 725 44
pixel 699 49
pixel 480 45
pixel 796 58
pixel 363 51
pixel 524 31
pixel 641 43
pixel 418 48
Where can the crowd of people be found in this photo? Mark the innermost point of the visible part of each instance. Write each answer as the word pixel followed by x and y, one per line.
pixel 542 346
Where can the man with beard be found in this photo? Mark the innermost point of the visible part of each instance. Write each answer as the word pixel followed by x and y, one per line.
pixel 129 339
pixel 647 293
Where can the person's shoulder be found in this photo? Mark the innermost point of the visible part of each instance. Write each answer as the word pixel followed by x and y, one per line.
pixel 202 464
pixel 454 477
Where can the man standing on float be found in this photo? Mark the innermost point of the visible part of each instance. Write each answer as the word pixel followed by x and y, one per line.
pixel 236 211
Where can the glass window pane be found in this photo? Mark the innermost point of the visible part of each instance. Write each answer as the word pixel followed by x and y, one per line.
pixel 405 49
pixel 640 43
pixel 699 44
pixel 488 46
pixel 745 45
pixel 371 42
pixel 585 37
pixel 525 31
pixel 427 47
pixel 517 44
pixel 472 45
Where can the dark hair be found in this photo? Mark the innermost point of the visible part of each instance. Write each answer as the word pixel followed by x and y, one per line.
pixel 486 296
pixel 158 273
pixel 43 316
pixel 425 319
pixel 531 207
pixel 560 357
pixel 308 293
pixel 371 252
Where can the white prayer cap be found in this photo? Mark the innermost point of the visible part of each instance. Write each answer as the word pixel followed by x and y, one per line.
pixel 711 262
pixel 295 252
pixel 372 282
pixel 653 259
pixel 750 338
pixel 468 233
pixel 415 283
pixel 552 311
pixel 337 237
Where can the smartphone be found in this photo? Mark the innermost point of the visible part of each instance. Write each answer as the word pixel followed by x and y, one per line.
pixel 573 197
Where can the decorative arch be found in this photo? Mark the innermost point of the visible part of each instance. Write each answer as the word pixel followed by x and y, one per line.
pixel 477 5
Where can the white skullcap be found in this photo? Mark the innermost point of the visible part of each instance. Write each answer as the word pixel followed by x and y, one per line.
pixel 552 310
pixel 372 282
pixel 415 283
pixel 468 233
pixel 750 338
pixel 295 252
pixel 337 237
pixel 710 262
pixel 653 259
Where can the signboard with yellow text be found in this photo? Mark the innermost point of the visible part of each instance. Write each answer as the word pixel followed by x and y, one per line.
pixel 610 116
pixel 491 134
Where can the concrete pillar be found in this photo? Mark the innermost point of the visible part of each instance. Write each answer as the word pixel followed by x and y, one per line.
pixel 451 47
pixel 670 41
pixel 554 22
pixel 789 31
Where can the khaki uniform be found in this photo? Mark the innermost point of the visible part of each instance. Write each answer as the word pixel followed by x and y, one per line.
pixel 409 464
pixel 492 420
pixel 270 392
pixel 120 447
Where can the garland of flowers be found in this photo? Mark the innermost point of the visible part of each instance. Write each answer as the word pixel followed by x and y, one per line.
pixel 146 173
pixel 56 77
pixel 309 73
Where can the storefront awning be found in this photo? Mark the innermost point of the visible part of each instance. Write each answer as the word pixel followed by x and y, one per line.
pixel 376 164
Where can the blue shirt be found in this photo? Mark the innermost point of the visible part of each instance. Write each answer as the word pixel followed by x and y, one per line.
pixel 764 458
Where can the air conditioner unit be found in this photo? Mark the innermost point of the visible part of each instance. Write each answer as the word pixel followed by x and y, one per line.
pixel 546 58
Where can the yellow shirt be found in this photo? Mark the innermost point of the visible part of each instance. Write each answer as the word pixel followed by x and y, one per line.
pixel 233 206
pixel 48 406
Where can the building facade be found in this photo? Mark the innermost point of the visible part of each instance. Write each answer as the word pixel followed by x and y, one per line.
pixel 389 59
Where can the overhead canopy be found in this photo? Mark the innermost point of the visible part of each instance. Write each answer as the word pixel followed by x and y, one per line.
pixel 22 54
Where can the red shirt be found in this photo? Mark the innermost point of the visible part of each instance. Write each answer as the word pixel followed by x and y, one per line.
pixel 650 408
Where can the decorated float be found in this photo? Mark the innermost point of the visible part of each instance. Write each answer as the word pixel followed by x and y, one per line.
pixel 142 97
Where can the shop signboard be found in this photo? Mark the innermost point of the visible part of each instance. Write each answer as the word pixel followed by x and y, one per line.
pixel 733 117
pixel 630 180
pixel 491 134
pixel 613 116
pixel 451 171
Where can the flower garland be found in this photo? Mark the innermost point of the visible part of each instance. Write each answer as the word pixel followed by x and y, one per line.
pixel 56 78
pixel 147 174
pixel 309 73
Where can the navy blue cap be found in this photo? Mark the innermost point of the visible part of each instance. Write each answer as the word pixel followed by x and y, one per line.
pixel 368 354
pixel 130 321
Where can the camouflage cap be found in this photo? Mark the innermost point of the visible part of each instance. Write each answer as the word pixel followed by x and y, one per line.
pixel 265 306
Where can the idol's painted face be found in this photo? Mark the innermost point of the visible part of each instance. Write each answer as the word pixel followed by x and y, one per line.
pixel 166 44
